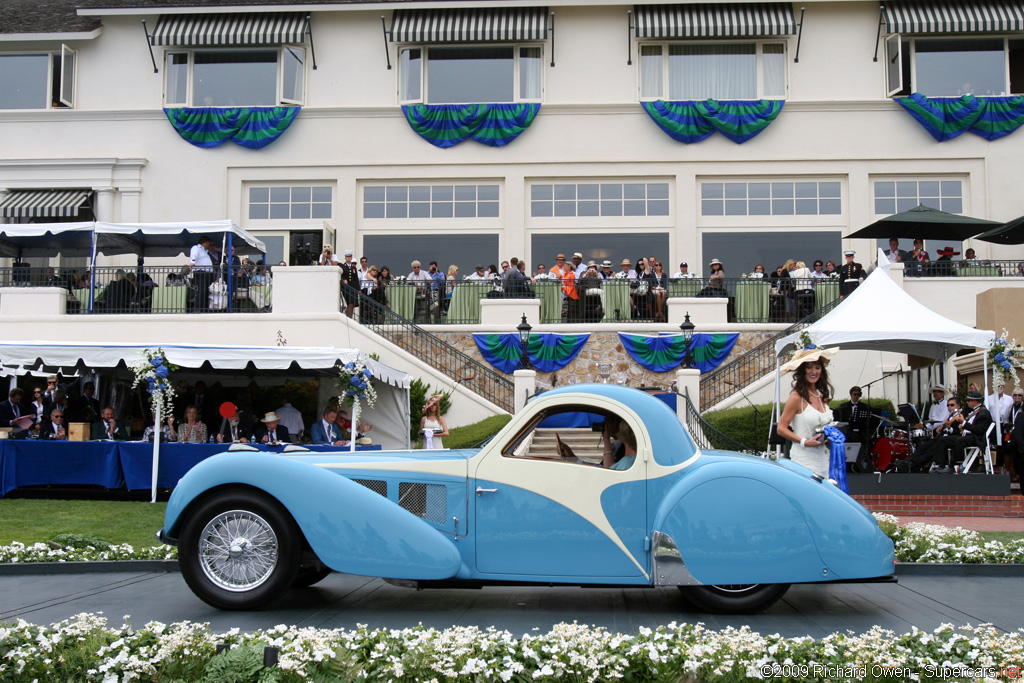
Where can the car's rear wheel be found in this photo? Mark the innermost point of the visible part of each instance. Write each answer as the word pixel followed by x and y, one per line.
pixel 735 599
pixel 240 550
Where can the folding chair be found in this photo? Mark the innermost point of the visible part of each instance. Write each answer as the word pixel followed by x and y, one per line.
pixel 971 453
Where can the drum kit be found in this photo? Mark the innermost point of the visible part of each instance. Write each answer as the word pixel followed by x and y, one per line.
pixel 895 441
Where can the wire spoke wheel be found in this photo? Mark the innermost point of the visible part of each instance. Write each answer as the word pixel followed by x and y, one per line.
pixel 747 598
pixel 238 550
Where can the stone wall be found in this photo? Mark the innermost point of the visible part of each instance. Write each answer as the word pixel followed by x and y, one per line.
pixel 603 347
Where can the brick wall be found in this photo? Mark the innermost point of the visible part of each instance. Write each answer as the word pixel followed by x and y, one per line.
pixel 944 506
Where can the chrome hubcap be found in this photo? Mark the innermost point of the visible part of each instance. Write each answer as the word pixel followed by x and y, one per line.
pixel 238 550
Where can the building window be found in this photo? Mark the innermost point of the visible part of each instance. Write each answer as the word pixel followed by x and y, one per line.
pixel 235 77
pixel 598 199
pixel 895 196
pixel 740 252
pixel 955 66
pixel 763 198
pixel 489 74
pixel 723 71
pixel 38 81
pixel 290 203
pixel 430 201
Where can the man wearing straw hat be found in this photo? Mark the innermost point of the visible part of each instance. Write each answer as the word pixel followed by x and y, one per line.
pixel 270 431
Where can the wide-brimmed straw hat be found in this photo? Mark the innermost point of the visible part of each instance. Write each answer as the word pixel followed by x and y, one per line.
pixel 938 387
pixel 715 261
pixel 802 356
pixel 270 417
pixel 626 262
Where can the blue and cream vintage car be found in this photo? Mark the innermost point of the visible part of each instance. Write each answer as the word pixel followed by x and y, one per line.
pixel 732 531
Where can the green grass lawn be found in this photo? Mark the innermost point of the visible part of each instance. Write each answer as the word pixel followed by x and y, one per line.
pixel 32 521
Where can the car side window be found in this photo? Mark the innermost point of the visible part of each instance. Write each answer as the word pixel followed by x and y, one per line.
pixel 567 434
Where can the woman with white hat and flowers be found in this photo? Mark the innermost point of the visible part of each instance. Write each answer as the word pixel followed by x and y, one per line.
pixel 806 412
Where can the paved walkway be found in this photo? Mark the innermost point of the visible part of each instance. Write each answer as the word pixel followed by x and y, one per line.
pixel 972 523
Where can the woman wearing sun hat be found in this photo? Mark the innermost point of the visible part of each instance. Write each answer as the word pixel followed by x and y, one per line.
pixel 807 411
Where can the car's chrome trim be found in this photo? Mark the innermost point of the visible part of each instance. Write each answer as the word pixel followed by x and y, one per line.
pixel 669 567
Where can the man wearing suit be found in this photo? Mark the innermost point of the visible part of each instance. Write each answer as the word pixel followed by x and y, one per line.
pixel 231 431
pixel 325 432
pixel 850 274
pixel 107 428
pixel 895 254
pixel 87 403
pixel 270 431
pixel 975 423
pixel 12 409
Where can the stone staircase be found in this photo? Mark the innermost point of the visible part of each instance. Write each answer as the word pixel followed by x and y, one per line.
pixel 586 444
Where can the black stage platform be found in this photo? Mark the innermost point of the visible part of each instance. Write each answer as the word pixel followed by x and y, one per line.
pixel 881 484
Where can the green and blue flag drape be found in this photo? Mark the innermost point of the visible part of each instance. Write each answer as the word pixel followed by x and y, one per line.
pixel 664 352
pixel 547 352
pixel 692 121
pixel 948 117
pixel 250 127
pixel 446 125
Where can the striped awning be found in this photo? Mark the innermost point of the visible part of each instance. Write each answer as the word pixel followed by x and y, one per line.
pixel 44 203
pixel 715 21
pixel 954 16
pixel 230 29
pixel 469 25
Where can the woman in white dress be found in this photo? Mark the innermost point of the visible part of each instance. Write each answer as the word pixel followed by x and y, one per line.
pixel 433 421
pixel 807 411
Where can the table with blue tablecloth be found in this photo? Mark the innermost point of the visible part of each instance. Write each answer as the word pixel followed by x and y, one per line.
pixel 29 462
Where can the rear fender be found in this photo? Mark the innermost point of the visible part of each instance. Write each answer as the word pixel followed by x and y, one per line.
pixel 349 527
pixel 740 522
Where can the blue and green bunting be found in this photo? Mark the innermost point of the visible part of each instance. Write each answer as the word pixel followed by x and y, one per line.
pixel 692 121
pixel 250 127
pixel 664 352
pixel 948 117
pixel 547 352
pixel 446 125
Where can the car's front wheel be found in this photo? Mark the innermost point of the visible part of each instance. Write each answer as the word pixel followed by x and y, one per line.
pixel 240 550
pixel 735 599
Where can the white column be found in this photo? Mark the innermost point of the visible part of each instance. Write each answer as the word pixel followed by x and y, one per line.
pixel 129 204
pixel 525 387
pixel 103 208
pixel 687 381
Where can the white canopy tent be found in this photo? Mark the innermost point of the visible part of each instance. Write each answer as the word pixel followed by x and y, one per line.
pixel 865 320
pixel 390 415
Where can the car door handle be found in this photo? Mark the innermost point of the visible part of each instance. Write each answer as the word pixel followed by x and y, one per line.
pixel 482 490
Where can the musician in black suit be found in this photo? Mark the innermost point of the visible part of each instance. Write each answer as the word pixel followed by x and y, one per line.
pixel 856 415
pixel 1017 435
pixel 947 433
pixel 850 274
pixel 974 425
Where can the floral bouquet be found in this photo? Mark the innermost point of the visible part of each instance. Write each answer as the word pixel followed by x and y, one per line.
pixel 620 276
pixel 154 371
pixel 398 278
pixel 356 383
pixel 834 275
pixel 1006 356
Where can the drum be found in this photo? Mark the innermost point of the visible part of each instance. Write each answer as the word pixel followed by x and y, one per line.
pixel 919 433
pixel 887 451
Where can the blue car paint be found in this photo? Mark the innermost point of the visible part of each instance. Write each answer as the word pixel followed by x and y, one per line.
pixel 735 518
pixel 372 537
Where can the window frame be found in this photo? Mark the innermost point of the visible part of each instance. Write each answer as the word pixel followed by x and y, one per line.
pixel 54 57
pixel 282 50
pixel 394 221
pixel 290 185
pixel 424 48
pixel 963 179
pixel 911 48
pixel 758 43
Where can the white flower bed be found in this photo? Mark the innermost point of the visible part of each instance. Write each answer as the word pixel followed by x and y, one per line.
pixel 84 648
pixel 915 542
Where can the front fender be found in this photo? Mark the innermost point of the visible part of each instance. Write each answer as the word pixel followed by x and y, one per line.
pixel 349 527
pixel 752 521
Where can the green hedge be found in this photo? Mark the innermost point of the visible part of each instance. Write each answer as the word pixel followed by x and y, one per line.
pixel 739 424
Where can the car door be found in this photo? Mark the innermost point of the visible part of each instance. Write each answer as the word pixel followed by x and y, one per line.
pixel 549 518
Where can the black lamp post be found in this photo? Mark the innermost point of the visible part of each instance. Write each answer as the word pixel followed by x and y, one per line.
pixel 524 342
pixel 687 328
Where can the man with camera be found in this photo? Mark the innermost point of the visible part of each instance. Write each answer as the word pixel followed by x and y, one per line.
pixel 327 257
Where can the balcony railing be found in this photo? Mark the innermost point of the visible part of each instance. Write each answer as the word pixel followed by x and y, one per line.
pixel 151 289
pixel 607 301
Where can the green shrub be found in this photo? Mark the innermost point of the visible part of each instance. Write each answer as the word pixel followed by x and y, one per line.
pixel 738 423
pixel 419 391
pixel 471 435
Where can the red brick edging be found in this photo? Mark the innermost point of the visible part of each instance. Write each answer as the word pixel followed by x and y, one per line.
pixel 944 506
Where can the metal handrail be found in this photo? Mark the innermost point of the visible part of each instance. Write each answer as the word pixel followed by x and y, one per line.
pixel 437 353
pixel 706 436
pixel 729 378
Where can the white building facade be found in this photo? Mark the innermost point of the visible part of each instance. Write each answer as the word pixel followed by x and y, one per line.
pixel 82 108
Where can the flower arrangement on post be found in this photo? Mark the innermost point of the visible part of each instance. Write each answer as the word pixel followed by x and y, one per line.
pixel 803 342
pixel 154 371
pixel 1006 356
pixel 356 383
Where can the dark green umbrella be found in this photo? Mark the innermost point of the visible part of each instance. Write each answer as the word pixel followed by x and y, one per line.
pixel 1010 232
pixel 928 224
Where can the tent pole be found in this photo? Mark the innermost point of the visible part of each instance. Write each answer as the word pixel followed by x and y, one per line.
pixel 775 407
pixel 355 423
pixel 157 428
pixel 92 271
pixel 230 273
